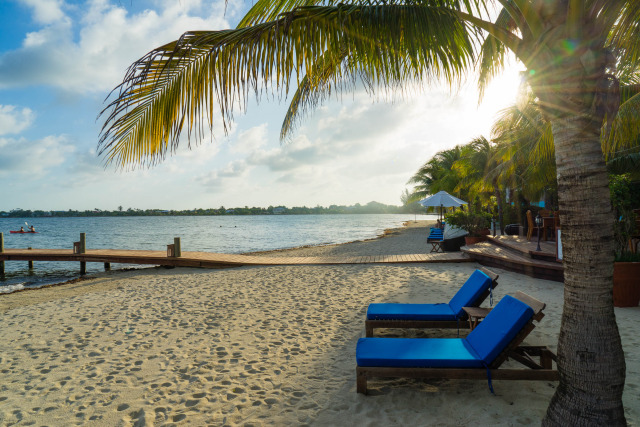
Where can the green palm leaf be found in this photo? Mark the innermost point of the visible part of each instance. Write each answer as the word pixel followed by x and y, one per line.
pixel 625 131
pixel 183 83
pixel 269 10
pixel 492 59
pixel 314 89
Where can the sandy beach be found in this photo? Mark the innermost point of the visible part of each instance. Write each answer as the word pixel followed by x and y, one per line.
pixel 255 346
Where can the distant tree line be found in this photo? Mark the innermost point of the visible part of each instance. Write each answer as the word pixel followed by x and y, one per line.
pixel 369 208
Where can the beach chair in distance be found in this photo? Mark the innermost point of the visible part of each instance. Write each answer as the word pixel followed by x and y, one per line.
pixel 478 356
pixel 444 315
pixel 436 238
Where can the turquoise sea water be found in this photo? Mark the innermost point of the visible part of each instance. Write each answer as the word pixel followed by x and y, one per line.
pixel 226 234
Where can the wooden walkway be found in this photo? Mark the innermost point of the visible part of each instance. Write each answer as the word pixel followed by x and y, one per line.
pixel 520 255
pixel 214 260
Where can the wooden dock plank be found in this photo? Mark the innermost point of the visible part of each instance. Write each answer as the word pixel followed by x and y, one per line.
pixel 519 260
pixel 209 259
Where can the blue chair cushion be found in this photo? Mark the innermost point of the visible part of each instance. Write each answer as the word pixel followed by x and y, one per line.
pixel 499 328
pixel 416 352
pixel 470 292
pixel 478 349
pixel 410 312
pixel 467 296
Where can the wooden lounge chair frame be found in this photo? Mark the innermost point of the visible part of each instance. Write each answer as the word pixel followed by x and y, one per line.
pixel 371 324
pixel 541 370
pixel 436 245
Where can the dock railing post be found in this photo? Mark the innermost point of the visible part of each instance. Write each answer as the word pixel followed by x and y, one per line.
pixel 1 250
pixel 177 251
pixel 83 249
pixel 30 261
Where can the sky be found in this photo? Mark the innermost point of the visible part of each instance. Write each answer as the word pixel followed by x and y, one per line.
pixel 59 60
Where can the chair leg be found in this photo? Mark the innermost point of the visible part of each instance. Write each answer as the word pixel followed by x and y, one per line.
pixel 361 382
pixel 368 329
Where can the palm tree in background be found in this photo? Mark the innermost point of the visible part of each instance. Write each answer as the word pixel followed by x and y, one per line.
pixel 476 168
pixel 524 153
pixel 570 49
pixel 437 174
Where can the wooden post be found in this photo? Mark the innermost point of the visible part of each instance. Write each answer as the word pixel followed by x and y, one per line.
pixel 1 250
pixel 83 249
pixel 107 266
pixel 176 247
pixel 30 261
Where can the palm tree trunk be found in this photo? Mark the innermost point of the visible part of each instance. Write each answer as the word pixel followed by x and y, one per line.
pixel 590 357
pixel 498 194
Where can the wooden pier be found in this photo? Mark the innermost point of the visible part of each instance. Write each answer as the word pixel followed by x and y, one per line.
pixel 508 252
pixel 211 260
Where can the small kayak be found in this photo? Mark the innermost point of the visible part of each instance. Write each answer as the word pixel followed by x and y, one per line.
pixel 22 232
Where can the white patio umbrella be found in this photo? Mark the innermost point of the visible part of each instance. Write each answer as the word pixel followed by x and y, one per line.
pixel 443 200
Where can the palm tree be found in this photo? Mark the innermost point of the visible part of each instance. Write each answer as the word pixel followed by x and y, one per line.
pixel 476 168
pixel 437 174
pixel 524 151
pixel 569 48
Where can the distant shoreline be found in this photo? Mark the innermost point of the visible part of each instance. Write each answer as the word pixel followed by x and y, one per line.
pixel 371 208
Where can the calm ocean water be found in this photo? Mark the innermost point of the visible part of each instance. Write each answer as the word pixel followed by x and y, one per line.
pixel 225 234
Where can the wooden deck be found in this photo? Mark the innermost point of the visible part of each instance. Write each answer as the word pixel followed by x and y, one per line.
pixel 214 260
pixel 517 254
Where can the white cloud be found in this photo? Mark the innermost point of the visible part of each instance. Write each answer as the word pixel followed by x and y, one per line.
pixel 32 159
pixel 91 54
pixel 14 120
pixel 250 140
pixel 46 11
pixel 221 178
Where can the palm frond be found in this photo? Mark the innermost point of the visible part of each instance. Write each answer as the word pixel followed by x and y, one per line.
pixel 492 58
pixel 625 35
pixel 182 83
pixel 269 10
pixel 625 131
pixel 314 89
pixel 625 163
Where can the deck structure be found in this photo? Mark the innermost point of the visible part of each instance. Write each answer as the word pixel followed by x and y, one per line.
pixel 213 260
pixel 518 254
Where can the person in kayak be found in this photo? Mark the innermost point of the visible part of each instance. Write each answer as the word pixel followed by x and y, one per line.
pixel 22 229
pixel 32 229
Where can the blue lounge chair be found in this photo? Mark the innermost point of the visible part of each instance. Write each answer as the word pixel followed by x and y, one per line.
pixel 445 315
pixel 436 238
pixel 478 356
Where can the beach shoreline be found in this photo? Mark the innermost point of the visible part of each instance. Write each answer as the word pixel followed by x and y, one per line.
pixel 255 345
pixel 327 247
pixel 291 251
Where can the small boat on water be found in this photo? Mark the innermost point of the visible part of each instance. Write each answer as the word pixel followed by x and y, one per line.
pixel 22 232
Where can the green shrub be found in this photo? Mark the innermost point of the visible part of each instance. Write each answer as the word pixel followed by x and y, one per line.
pixel 469 221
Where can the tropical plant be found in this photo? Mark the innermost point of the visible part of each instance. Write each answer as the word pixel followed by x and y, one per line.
pixel 624 198
pixel 471 222
pixel 570 49
pixel 476 168
pixel 438 174
pixel 524 154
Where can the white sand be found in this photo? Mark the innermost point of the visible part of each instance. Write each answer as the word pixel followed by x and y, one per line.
pixel 252 346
